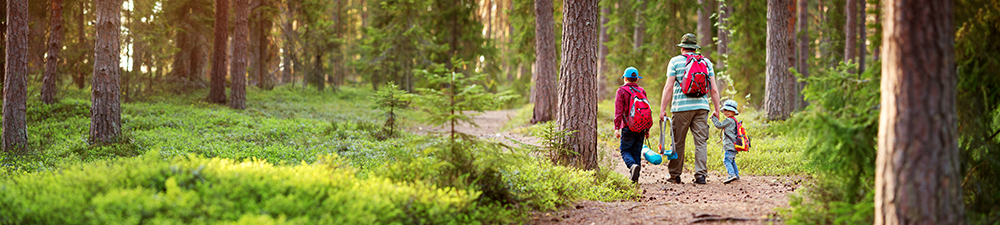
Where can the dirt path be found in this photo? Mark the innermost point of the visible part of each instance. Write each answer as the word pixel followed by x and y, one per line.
pixel 751 200
pixel 490 123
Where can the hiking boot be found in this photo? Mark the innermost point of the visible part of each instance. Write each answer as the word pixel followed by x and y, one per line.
pixel 699 180
pixel 676 180
pixel 730 179
pixel 635 172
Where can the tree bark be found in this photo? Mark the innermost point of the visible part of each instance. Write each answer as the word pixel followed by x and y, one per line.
pixel 217 88
pixel 850 31
pixel 287 34
pixel 639 31
pixel 105 110
pixel 545 64
pixel 602 57
pixel 917 169
pixel 705 27
pixel 81 43
pixel 779 97
pixel 802 63
pixel 724 11
pixel 577 92
pixel 49 88
pixel 862 40
pixel 15 99
pixel 237 98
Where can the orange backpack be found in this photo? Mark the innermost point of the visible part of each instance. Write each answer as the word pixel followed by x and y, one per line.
pixel 742 141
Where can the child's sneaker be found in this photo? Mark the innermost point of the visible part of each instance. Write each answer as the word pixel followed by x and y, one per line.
pixel 730 179
pixel 635 173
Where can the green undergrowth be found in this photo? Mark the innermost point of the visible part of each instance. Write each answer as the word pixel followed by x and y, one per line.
pixel 293 157
pixel 776 149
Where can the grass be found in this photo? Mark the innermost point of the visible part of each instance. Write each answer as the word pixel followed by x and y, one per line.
pixel 208 159
pixel 775 151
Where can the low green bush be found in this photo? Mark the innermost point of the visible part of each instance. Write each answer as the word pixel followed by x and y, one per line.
pixel 197 190
pixel 181 160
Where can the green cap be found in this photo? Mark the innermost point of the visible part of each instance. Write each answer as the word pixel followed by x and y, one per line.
pixel 689 41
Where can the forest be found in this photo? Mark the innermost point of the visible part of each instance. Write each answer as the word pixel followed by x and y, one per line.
pixel 496 111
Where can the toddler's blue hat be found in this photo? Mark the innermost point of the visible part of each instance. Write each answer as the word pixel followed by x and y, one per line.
pixel 631 72
pixel 731 106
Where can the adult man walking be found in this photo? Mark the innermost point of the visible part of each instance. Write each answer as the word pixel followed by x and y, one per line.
pixel 688 112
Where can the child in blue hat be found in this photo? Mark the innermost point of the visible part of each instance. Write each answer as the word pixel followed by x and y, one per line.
pixel 633 118
pixel 729 127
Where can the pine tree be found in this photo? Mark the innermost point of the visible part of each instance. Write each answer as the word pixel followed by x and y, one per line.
pixel 105 110
pixel 577 109
pixel 237 97
pixel 49 88
pixel 217 89
pixel 545 66
pixel 15 98
pixel 779 98
pixel 917 169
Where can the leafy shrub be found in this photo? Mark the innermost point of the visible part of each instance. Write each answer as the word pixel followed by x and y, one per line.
pixel 200 190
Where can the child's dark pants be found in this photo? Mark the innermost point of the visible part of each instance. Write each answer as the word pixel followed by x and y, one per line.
pixel 631 147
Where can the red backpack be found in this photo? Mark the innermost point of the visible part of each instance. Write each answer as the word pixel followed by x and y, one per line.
pixel 742 142
pixel 640 116
pixel 696 81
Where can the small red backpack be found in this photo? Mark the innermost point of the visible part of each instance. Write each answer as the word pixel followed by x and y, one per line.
pixel 640 116
pixel 696 81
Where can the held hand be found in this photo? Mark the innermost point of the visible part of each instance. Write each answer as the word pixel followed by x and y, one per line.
pixel 647 134
pixel 618 134
pixel 716 114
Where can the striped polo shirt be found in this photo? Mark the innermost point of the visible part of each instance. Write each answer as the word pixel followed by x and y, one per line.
pixel 682 102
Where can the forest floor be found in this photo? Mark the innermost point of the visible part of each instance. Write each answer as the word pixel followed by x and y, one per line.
pixel 751 200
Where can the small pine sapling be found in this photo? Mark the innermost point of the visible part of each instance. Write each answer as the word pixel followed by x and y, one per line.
pixel 551 137
pixel 452 95
pixel 391 100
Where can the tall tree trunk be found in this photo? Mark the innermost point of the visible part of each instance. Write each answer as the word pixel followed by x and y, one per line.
pixel 253 45
pixel 850 31
pixel 640 27
pixel 577 92
pixel 724 11
pixel 489 19
pixel 917 169
pixel 217 89
pixel 602 55
pixel 237 98
pixel 105 110
pixel 81 43
pixel 15 98
pixel 545 63
pixel 36 46
pixel 288 35
pixel 779 97
pixel 705 27
pixel 802 64
pixel 52 60
pixel 862 40
pixel 3 36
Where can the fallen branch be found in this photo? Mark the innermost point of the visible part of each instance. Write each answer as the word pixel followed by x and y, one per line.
pixel 715 219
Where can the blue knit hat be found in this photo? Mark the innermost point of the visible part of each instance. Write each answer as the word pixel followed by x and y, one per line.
pixel 731 106
pixel 631 72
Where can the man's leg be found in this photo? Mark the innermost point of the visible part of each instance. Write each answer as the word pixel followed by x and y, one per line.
pixel 680 126
pixel 699 129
